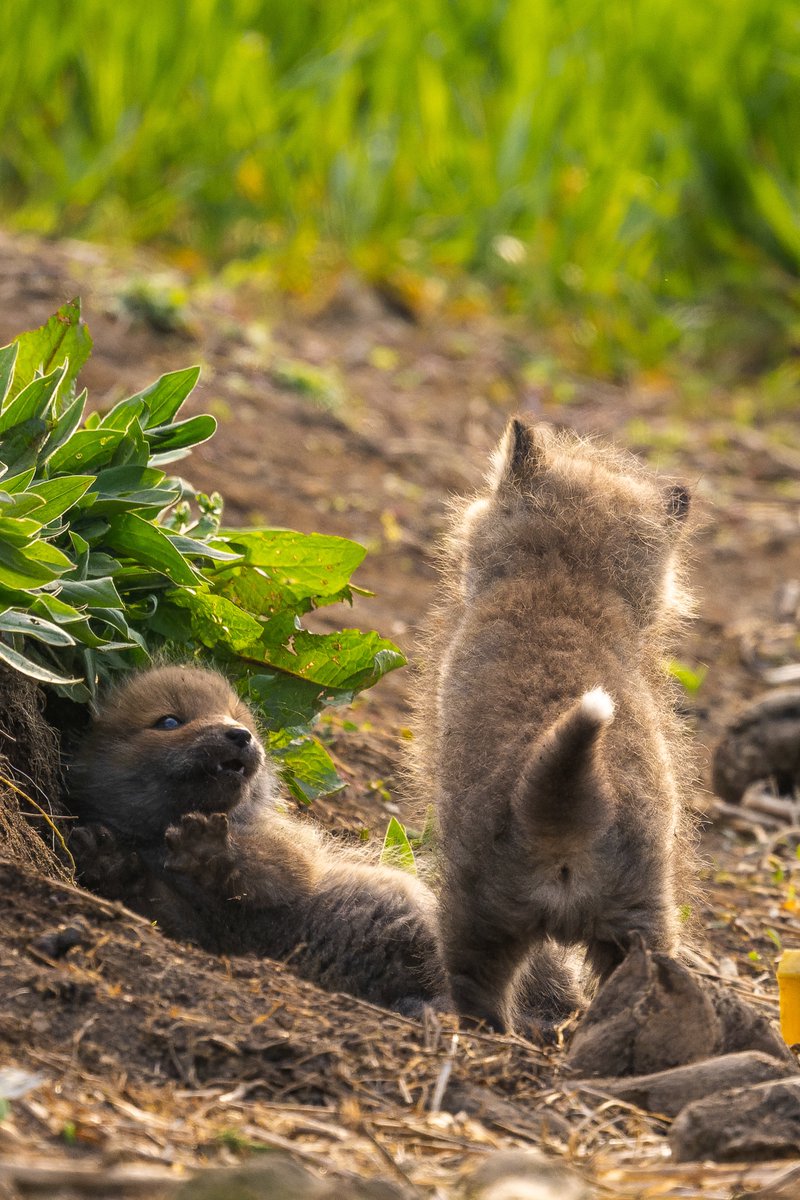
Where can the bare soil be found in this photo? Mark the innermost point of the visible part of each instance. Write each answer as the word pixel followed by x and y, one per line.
pixel 153 1059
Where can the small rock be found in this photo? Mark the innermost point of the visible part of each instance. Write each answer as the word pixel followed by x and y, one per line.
pixel 744 1125
pixel 524 1175
pixel 668 1092
pixel 493 1110
pixel 762 742
pixel 60 941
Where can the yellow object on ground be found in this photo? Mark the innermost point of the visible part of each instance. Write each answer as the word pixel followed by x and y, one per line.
pixel 789 988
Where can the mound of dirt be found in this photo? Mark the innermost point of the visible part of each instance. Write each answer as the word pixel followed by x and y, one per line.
pixel 29 779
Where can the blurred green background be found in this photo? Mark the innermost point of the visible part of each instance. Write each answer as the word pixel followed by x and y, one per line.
pixel 625 172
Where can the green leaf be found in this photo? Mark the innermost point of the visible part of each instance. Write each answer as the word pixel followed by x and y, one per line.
pixel 690 680
pixel 308 564
pixel 18 530
pixel 396 851
pixel 18 483
pixel 65 426
pixel 86 450
pixel 122 415
pixel 28 569
pixel 21 446
pixel 286 701
pixel 35 400
pixel 59 495
pixel 90 593
pixel 212 620
pixel 164 397
pixel 35 627
pixel 19 662
pixel 305 765
pixel 8 357
pixel 131 535
pixel 194 549
pixel 167 438
pixel 348 659
pixel 63 337
pixel 121 481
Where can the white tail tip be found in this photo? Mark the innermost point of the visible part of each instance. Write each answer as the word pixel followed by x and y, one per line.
pixel 598 705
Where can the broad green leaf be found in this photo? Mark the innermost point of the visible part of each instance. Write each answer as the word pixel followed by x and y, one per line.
pixel 120 481
pixel 99 563
pixel 35 670
pixel 164 397
pixel 86 450
pixel 20 569
pixel 55 608
pixel 147 504
pixel 21 447
pixel 211 620
pixel 138 539
pixel 349 659
pixel 59 495
pixel 20 505
pixel 286 701
pixel 306 766
pixel 63 337
pixel 122 415
pixel 309 564
pixel 396 850
pixel 167 438
pixel 18 531
pixel 8 357
pixel 18 483
pixel 90 593
pixel 35 400
pixel 31 626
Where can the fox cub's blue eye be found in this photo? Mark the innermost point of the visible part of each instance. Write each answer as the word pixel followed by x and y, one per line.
pixel 169 722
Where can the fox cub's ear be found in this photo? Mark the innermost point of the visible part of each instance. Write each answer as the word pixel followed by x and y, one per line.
pixel 677 502
pixel 518 457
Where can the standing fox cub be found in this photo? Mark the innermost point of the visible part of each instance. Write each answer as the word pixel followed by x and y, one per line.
pixel 179 804
pixel 544 719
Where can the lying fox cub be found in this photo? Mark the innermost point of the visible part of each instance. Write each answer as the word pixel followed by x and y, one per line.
pixel 178 802
pixel 544 719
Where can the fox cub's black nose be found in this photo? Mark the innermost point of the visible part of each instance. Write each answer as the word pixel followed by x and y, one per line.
pixel 240 736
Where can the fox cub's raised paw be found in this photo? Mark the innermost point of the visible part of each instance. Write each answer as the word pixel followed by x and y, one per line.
pixel 103 863
pixel 200 848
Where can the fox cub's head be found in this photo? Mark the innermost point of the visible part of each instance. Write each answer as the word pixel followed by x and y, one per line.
pixel 166 742
pixel 555 501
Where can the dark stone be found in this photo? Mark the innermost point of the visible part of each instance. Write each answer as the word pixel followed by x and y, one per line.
pixel 744 1125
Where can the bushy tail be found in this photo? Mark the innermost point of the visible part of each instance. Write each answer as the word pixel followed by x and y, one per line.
pixel 563 787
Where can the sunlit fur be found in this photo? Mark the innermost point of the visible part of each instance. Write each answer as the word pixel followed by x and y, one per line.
pixel 186 826
pixel 544 725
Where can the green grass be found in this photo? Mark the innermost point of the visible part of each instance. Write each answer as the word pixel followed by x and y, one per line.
pixel 627 173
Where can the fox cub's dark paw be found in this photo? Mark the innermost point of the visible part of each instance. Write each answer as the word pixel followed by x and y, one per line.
pixel 200 848
pixel 102 863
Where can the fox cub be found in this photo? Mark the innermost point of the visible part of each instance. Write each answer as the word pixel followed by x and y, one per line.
pixel 545 721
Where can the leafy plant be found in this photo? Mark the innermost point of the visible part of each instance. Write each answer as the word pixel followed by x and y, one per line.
pixel 105 558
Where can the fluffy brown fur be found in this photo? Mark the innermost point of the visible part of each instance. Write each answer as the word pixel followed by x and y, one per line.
pixel 544 721
pixel 181 816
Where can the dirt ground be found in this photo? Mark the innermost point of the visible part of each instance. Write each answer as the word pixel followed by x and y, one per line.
pixel 151 1059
